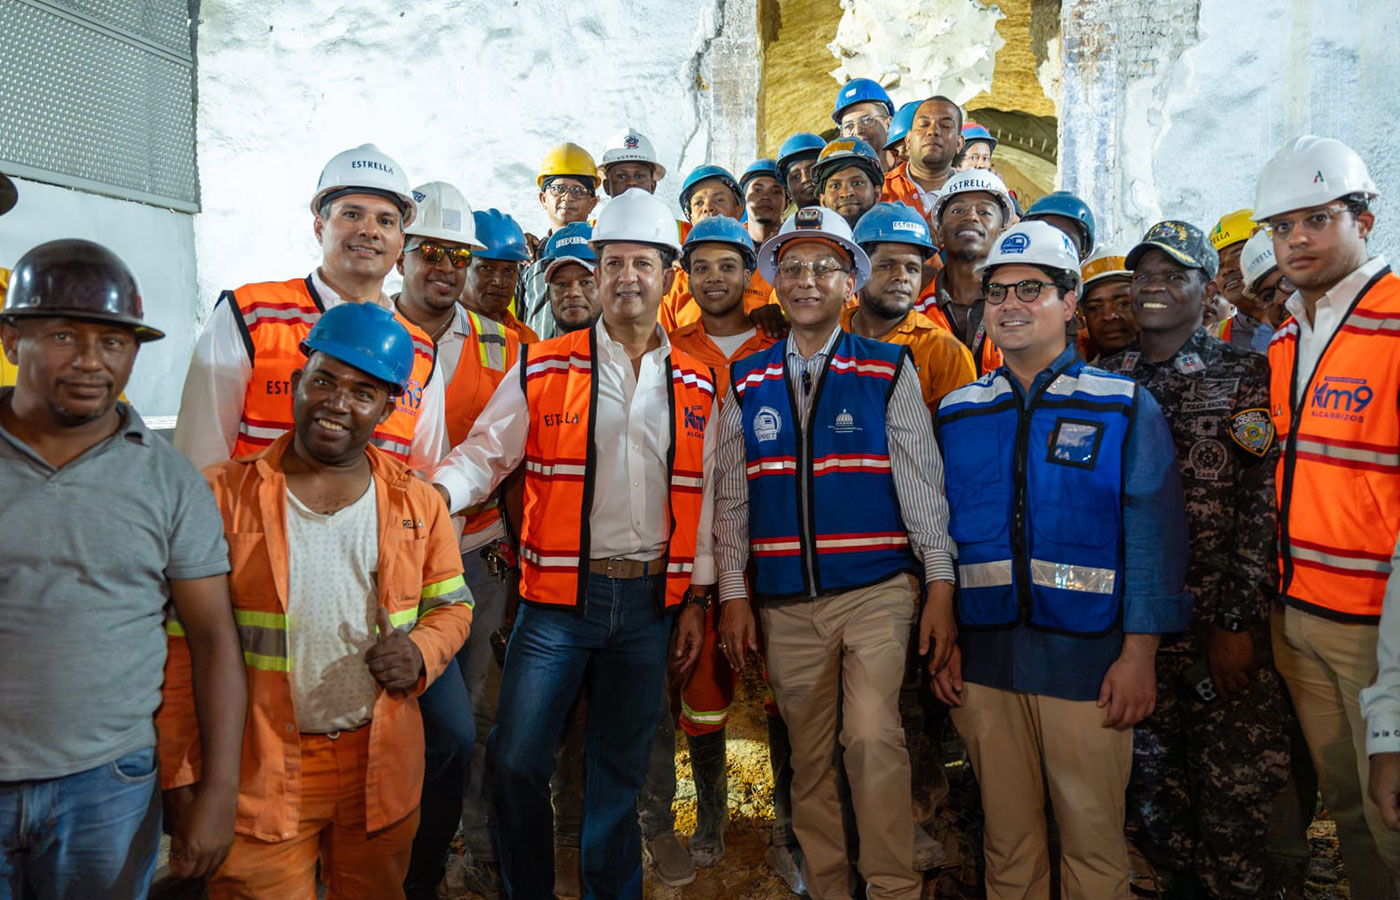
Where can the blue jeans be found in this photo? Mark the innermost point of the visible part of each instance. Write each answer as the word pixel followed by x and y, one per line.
pixel 449 734
pixel 616 650
pixel 90 834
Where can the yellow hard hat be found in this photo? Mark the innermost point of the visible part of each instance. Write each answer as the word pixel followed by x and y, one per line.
pixel 1233 228
pixel 568 159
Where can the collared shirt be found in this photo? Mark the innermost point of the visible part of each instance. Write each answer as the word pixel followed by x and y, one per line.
pixel 632 434
pixel 1154 560
pixel 693 339
pixel 943 362
pixel 87 555
pixel 1315 332
pixel 1380 703
pixel 1215 397
pixel 1250 333
pixel 899 187
pixel 915 466
pixel 449 356
pixel 532 298
pixel 216 386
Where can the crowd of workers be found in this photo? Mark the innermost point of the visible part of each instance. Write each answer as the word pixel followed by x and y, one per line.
pixel 858 418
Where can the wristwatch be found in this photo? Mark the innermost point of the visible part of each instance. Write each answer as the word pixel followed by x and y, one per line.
pixel 702 597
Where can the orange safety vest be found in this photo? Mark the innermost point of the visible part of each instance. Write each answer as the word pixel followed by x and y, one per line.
pixel 419 584
pixel 1338 480
pixel 274 317
pixel 693 340
pixel 488 352
pixel 557 379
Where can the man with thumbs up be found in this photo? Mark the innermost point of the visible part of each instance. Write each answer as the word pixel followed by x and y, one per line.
pixel 348 593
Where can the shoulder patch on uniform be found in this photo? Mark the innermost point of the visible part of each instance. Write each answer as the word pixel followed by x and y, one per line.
pixel 1253 430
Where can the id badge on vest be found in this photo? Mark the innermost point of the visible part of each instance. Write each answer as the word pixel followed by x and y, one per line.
pixel 1075 442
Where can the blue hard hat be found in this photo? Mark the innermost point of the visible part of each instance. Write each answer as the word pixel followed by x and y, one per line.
pixel 1063 203
pixel 844 152
pixel 366 336
pixel 901 123
pixel 972 132
pixel 502 236
pixel 891 223
pixel 758 168
pixel 705 173
pixel 860 90
pixel 571 241
pixel 721 230
pixel 803 145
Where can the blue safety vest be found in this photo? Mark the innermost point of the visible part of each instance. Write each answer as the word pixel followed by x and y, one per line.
pixel 823 512
pixel 1036 499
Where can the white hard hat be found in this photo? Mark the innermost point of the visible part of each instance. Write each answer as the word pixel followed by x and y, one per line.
pixel 365 170
pixel 1033 243
pixel 968 181
pixel 443 213
pixel 813 222
pixel 630 146
pixel 636 217
pixel 1257 259
pixel 1310 171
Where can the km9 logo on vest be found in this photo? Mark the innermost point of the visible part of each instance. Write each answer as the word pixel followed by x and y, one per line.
pixel 411 398
pixel 694 421
pixel 1335 397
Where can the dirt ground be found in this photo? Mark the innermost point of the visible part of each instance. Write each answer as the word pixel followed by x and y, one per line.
pixel 744 874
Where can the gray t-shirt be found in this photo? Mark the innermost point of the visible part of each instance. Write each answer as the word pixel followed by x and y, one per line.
pixel 85 554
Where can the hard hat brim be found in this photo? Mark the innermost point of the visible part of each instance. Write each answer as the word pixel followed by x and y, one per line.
pixel 408 207
pixel 768 254
pixel 144 333
pixel 560 261
pixel 443 234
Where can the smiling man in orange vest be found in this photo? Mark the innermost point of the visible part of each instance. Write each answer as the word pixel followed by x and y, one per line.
pixel 238 398
pixel 614 427
pixel 1336 376
pixel 348 593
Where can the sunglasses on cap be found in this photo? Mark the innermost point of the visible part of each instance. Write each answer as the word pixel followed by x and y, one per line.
pixel 433 253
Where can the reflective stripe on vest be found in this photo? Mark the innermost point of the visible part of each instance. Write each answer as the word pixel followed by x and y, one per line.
pixel 806 535
pixel 273 319
pixel 1338 481
pixel 263 636
pixel 557 377
pixel 475 379
pixel 1045 479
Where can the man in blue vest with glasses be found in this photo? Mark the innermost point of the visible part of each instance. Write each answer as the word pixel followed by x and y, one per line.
pixel 832 483
pixel 1066 505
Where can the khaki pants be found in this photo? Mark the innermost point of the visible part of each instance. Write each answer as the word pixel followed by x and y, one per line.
pixel 1019 744
pixel 1325 665
pixel 849 646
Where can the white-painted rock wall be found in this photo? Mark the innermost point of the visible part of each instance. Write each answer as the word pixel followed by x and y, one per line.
pixel 1170 110
pixel 465 91
pixel 917 50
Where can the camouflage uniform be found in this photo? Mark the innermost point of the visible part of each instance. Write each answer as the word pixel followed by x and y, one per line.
pixel 1206 768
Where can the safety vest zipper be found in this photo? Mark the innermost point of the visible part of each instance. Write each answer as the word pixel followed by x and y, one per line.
pixel 1020 552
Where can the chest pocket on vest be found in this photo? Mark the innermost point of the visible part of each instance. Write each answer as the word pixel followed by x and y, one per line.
pixel 1075 442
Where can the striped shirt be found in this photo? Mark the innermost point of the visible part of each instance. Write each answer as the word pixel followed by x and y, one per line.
pixel 915 465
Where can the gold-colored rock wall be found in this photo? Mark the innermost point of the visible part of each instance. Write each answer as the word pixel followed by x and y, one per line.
pixel 797 92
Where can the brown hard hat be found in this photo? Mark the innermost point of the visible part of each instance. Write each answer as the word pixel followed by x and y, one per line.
pixel 76 279
pixel 9 194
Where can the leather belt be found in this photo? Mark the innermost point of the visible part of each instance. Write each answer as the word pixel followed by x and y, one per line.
pixel 627 568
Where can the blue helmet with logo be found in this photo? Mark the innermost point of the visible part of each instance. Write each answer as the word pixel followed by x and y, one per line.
pixel 502 236
pixel 973 132
pixel 891 223
pixel 705 173
pixel 843 153
pixel 366 336
pixel 1063 203
pixel 901 123
pixel 720 230
pixel 758 168
pixel 569 244
pixel 803 145
pixel 860 90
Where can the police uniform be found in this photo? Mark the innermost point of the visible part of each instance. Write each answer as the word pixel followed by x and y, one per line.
pixel 1206 768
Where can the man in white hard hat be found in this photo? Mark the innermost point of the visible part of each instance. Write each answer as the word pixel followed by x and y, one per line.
pixel 1055 650
pixel 473 353
pixel 838 583
pixel 630 161
pixel 237 397
pixel 970 213
pixel 613 425
pixel 1335 375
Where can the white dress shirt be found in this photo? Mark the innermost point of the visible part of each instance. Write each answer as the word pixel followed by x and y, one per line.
pixel 632 432
pixel 1315 333
pixel 216 385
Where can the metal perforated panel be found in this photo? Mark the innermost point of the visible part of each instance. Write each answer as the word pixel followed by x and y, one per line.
pixel 99 95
